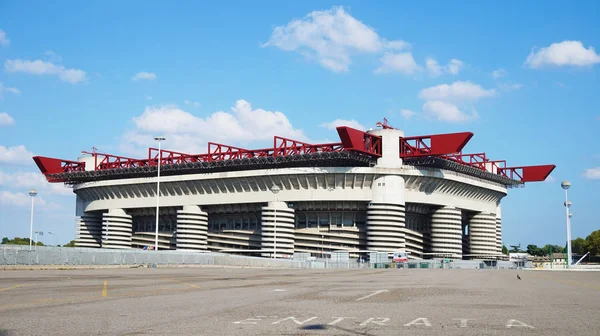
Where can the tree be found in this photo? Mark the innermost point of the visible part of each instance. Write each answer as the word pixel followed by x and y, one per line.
pixel 592 243
pixel 579 246
pixel 535 251
pixel 504 249
pixel 20 241
pixel 70 244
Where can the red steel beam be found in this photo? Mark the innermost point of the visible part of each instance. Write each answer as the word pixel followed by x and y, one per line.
pixel 109 161
pixel 433 145
pixel 537 173
pixel 56 166
pixel 284 146
pixel 172 157
pixel 359 141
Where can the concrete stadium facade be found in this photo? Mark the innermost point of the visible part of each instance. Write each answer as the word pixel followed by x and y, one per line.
pixel 389 206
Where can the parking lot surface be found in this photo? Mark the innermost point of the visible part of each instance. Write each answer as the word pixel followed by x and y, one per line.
pixel 245 301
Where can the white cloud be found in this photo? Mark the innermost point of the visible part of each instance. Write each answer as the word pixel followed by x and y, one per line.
pixel 15 155
pixel 144 76
pixel 39 67
pixel 3 38
pixel 7 89
pixel 407 114
pixel 453 67
pixel 444 111
pixel 22 199
pixel 510 87
pixel 397 45
pixel 191 103
pixel 457 91
pixel 434 68
pixel 52 56
pixel 330 37
pixel 565 53
pixel 342 122
pixel 189 133
pixel 401 62
pixel 6 119
pixel 499 73
pixel 592 173
pixel 36 180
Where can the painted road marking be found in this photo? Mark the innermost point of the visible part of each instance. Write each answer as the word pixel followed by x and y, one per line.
pixel 280 290
pixel 511 323
pixel 416 323
pixel 105 288
pixel 372 294
pixel 183 283
pixel 9 288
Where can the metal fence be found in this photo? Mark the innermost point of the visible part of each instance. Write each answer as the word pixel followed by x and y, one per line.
pixel 15 255
pixel 20 255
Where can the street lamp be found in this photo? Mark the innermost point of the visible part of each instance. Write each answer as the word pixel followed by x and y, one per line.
pixel 32 193
pixel 566 185
pixel 55 238
pixel 159 139
pixel 275 189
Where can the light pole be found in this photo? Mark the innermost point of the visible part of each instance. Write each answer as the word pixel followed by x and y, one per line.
pixel 55 238
pixel 32 193
pixel 275 189
pixel 36 237
pixel 566 185
pixel 159 139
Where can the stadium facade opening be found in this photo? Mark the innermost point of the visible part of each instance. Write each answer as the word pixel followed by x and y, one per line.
pixel 376 190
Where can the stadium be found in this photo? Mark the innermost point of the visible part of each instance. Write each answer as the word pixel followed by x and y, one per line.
pixel 371 191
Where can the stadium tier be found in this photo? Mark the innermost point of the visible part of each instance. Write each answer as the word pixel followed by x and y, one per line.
pixel 372 191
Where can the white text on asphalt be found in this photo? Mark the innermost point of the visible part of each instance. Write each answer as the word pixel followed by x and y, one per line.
pixel 381 321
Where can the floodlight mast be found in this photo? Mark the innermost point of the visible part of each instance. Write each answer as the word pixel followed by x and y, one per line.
pixel 159 139
pixel 566 185
pixel 32 193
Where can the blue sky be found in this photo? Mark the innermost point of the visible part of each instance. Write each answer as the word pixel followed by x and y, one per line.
pixel 522 76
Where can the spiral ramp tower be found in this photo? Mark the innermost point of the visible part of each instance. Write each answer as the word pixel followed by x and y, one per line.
pixel 116 229
pixel 446 232
pixel 192 228
pixel 89 230
pixel 482 235
pixel 277 230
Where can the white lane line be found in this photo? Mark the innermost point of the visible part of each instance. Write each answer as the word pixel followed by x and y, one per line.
pixel 372 294
pixel 280 290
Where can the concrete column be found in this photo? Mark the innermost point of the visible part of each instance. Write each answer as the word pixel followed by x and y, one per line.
pixel 498 230
pixel 385 215
pixel 89 230
pixel 446 231
pixel 482 235
pixel 277 229
pixel 192 228
pixel 116 229
pixel 390 147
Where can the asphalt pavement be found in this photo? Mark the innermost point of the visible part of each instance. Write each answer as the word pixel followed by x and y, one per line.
pixel 246 301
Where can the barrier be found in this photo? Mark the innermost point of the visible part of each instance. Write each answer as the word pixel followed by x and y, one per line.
pixel 16 255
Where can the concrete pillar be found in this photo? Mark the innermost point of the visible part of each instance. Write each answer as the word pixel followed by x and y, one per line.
pixel 89 230
pixel 446 231
pixel 482 235
pixel 385 215
pixel 498 230
pixel 277 229
pixel 116 229
pixel 192 228
pixel 390 147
